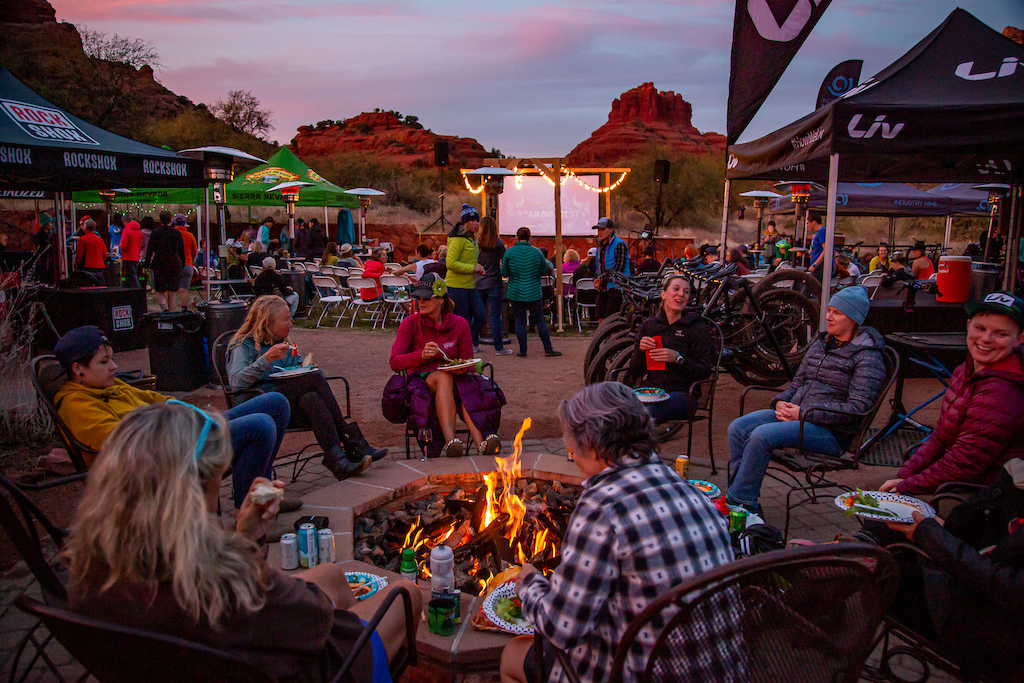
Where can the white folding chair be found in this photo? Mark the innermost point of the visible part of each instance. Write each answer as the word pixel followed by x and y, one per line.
pixel 255 270
pixel 374 307
pixel 330 296
pixel 871 283
pixel 397 295
pixel 312 267
pixel 586 300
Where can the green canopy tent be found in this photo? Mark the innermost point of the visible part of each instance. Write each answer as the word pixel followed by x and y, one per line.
pixel 249 189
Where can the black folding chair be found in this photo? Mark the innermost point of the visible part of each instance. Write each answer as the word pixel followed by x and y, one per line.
pixel 47 379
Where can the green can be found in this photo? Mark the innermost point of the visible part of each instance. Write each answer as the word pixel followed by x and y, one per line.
pixel 737 519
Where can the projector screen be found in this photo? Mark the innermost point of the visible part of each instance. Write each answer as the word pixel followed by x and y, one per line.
pixel 533 205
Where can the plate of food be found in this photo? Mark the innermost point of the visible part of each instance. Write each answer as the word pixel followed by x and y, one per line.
pixel 651 394
pixel 292 372
pixel 883 506
pixel 457 364
pixel 365 584
pixel 503 608
pixel 707 488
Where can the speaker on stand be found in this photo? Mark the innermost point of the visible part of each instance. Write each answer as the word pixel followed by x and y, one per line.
pixel 441 159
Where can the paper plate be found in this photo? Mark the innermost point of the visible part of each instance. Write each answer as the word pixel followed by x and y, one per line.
pixel 467 364
pixel 707 488
pixel 292 372
pixel 651 394
pixel 505 590
pixel 896 503
pixel 356 578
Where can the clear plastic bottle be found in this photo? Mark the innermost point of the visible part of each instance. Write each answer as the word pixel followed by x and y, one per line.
pixel 442 569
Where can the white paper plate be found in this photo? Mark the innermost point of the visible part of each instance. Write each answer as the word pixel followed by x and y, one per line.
pixel 293 372
pixel 896 503
pixel 708 488
pixel 355 578
pixel 505 590
pixel 656 397
pixel 468 364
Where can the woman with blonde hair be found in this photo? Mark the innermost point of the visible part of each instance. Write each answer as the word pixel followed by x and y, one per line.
pixel 259 349
pixel 570 262
pixel 147 550
pixel 492 249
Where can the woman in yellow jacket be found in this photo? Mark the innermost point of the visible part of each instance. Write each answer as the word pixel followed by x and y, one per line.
pixel 462 272
pixel 92 401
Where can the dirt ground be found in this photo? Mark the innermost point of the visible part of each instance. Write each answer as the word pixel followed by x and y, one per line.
pixel 533 386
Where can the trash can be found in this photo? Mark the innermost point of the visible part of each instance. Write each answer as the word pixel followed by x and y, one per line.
pixel 177 350
pixel 221 317
pixel 984 279
pixel 112 273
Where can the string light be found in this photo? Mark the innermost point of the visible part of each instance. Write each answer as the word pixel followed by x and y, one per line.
pixel 569 173
pixel 469 187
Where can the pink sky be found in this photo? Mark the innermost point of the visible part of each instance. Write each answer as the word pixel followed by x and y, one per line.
pixel 530 78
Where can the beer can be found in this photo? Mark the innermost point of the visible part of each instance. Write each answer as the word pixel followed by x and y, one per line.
pixel 683 466
pixel 737 519
pixel 456 596
pixel 307 546
pixel 325 546
pixel 289 551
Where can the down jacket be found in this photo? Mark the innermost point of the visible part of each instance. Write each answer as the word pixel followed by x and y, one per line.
pixel 845 379
pixel 978 429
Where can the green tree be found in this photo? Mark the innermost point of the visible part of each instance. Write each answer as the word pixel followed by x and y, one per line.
pixel 112 63
pixel 241 110
pixel 689 198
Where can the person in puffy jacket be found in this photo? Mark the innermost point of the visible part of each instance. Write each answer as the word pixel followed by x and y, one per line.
pixel 842 372
pixel 982 412
pixel 461 262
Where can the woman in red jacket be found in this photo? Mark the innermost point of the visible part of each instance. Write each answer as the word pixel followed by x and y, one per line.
pixel 983 408
pixel 373 270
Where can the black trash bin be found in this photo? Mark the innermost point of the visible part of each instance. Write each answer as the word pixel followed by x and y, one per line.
pixel 177 350
pixel 221 317
pixel 112 273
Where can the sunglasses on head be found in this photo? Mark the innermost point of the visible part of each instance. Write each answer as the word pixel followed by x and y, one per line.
pixel 209 424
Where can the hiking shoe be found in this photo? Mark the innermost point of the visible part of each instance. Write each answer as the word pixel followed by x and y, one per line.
pixel 504 352
pixel 552 353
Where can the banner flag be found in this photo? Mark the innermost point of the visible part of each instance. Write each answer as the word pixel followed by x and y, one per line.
pixel 843 78
pixel 762 48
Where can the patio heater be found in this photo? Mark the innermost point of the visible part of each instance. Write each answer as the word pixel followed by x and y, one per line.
pixel 761 199
pixel 494 184
pixel 364 194
pixel 290 195
pixel 218 170
pixel 108 203
pixel 996 193
pixel 800 192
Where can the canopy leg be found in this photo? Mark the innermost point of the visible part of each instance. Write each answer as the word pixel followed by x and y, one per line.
pixel 830 239
pixel 725 222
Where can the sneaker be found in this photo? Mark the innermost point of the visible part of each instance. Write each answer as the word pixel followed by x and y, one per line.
pixel 476 348
pixel 504 352
pixel 521 354
pixel 552 353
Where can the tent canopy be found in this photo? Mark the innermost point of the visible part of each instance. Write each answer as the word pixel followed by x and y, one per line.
pixel 964 199
pixel 42 147
pixel 950 109
pixel 249 188
pixel 873 199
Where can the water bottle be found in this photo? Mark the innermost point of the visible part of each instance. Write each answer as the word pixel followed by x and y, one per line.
pixel 442 569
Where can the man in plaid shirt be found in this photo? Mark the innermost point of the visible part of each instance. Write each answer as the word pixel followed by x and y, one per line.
pixel 638 530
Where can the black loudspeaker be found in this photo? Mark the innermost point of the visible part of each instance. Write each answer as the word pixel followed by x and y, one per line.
pixel 440 152
pixel 661 167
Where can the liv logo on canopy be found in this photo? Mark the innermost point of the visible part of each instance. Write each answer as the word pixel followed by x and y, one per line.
pixel 44 123
pixel 1007 68
pixel 888 132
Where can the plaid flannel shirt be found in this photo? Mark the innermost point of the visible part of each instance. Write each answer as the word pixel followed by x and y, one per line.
pixel 621 256
pixel 637 531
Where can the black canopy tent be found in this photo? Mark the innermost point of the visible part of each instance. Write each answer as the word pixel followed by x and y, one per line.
pixel 950 109
pixel 42 147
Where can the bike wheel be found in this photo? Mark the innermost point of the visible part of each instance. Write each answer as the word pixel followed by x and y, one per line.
pixel 597 371
pixel 794 320
pixel 749 370
pixel 795 280
pixel 601 337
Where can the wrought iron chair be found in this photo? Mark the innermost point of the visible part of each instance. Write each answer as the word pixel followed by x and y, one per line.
pixel 787 463
pixel 298 459
pixel 805 614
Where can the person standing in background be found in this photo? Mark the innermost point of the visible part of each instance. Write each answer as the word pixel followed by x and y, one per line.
pixel 524 265
pixel 263 234
pixel 462 271
pixel 301 242
pixel 492 249
pixel 817 243
pixel 612 257
pixel 285 237
pixel 317 238
pixel 131 247
pixel 92 252
pixel 188 241
pixel 115 230
pixel 165 259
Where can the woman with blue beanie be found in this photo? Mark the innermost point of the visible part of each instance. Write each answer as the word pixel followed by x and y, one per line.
pixel 463 270
pixel 842 370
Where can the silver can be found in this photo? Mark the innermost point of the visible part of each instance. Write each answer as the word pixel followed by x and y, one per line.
pixel 325 546
pixel 307 546
pixel 289 551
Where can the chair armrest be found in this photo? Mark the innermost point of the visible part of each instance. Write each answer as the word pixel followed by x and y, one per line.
pixel 50 483
pixel 753 387
pixel 364 637
pixel 958 487
pixel 490 371
pixel 560 655
pixel 348 393
pixel 907 547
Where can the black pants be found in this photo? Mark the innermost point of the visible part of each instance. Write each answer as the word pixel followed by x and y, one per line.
pixel 131 274
pixel 609 302
pixel 311 397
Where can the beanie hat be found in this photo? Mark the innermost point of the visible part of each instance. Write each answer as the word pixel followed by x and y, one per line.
pixel 852 302
pixel 468 214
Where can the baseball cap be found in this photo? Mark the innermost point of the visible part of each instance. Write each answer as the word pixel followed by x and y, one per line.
pixel 592 251
pixel 1001 302
pixel 604 223
pixel 345 248
pixel 79 343
pixel 429 286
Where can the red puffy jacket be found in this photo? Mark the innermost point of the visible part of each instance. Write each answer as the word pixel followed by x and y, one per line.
pixel 978 429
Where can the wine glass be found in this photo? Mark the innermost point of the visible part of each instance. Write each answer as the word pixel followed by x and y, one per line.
pixel 425 437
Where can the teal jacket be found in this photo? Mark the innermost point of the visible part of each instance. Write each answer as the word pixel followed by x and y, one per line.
pixel 247 365
pixel 524 265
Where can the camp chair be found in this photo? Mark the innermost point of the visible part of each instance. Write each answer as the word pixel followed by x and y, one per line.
pixel 47 378
pixel 298 459
pixel 786 463
pixel 807 614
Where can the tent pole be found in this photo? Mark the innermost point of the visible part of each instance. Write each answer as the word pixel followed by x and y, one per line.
pixel 949 232
pixel 1012 240
pixel 62 238
pixel 830 239
pixel 205 275
pixel 725 222
pixel 327 227
pixel 558 243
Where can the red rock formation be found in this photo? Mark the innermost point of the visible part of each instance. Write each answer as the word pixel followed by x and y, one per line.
pixel 384 135
pixel 27 12
pixel 1015 34
pixel 643 116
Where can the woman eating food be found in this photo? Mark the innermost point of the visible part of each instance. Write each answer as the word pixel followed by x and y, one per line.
pixel 259 349
pixel 147 550
pixel 426 342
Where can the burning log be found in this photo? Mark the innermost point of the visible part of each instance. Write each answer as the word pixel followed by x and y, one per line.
pixel 493 530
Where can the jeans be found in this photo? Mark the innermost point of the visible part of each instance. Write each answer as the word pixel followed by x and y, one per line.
pixel 469 305
pixel 495 297
pixel 753 437
pixel 675 408
pixel 257 429
pixel 131 274
pixel 536 311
